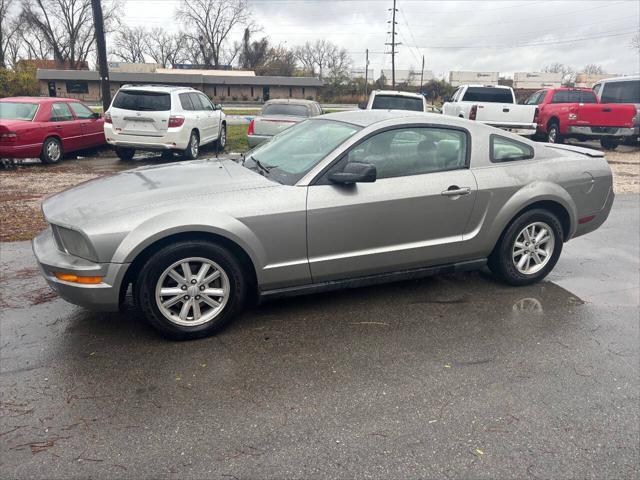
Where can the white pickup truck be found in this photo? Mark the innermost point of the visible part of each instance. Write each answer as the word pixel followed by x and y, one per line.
pixel 494 105
pixel 395 100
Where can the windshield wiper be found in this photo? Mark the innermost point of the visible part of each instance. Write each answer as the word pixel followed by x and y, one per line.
pixel 262 167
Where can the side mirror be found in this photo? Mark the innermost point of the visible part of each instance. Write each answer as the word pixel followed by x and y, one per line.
pixel 96 115
pixel 355 172
pixel 218 106
pixel 362 105
pixel 446 98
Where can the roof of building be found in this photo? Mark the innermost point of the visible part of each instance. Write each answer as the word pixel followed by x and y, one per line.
pixel 179 78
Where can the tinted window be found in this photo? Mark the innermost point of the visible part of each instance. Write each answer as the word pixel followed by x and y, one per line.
pixel 506 150
pixel 536 99
pixel 204 101
pixel 394 102
pixel 81 111
pixel 60 112
pixel 18 111
pixel 185 101
pixel 488 94
pixel 621 92
pixel 286 109
pixel 292 153
pixel 412 151
pixel 574 96
pixel 561 97
pixel 142 101
pixel 76 86
pixel 588 97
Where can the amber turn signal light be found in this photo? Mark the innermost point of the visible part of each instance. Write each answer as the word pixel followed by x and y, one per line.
pixel 69 277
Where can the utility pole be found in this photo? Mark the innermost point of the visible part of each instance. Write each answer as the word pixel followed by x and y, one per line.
pixel 366 73
pixel 393 44
pixel 422 74
pixel 101 49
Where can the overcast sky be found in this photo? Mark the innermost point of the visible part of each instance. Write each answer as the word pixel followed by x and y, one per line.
pixel 505 36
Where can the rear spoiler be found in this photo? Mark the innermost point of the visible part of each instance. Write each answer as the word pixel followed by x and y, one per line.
pixel 589 152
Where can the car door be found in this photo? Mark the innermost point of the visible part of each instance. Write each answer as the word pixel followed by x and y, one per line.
pixel 63 124
pixel 91 125
pixel 206 123
pixel 212 117
pixel 413 215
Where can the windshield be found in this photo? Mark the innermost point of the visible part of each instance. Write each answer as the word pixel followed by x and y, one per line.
pixel 488 94
pixel 397 102
pixel 621 92
pixel 288 156
pixel 285 109
pixel 18 111
pixel 142 101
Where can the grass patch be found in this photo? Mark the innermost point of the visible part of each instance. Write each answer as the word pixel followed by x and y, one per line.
pixel 237 138
pixel 232 111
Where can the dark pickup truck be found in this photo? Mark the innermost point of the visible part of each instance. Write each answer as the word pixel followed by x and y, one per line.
pixel 576 113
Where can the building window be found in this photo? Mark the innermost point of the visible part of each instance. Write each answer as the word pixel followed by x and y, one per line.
pixel 251 92
pixel 77 86
pixel 303 91
pixel 228 91
pixel 290 92
pixel 215 91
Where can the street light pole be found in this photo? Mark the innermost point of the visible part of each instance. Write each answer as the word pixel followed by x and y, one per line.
pixel 101 49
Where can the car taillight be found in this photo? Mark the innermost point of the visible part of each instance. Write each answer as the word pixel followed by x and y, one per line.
pixel 176 121
pixel 250 129
pixel 107 118
pixel 473 112
pixel 8 137
pixel 535 115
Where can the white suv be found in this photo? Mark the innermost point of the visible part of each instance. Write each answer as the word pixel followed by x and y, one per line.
pixel 156 117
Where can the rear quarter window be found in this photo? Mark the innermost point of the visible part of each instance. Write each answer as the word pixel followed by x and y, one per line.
pixel 143 101
pixel 503 149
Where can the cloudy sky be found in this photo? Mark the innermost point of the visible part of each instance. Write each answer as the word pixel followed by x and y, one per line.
pixel 505 36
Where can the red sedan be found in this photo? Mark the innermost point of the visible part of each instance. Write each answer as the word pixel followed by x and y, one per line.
pixel 47 127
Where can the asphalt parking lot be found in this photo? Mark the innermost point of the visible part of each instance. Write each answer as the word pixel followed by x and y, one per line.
pixel 449 377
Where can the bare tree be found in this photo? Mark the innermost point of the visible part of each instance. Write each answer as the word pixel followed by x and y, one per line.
pixel 253 54
pixel 166 49
pixel 66 26
pixel 209 23
pixel 322 57
pixel 635 42
pixel 568 73
pixel 280 61
pixel 593 69
pixel 130 44
pixel 9 32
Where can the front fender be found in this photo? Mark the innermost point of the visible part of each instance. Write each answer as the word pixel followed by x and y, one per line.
pixel 203 220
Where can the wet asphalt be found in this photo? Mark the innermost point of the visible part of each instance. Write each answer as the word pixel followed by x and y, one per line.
pixel 449 377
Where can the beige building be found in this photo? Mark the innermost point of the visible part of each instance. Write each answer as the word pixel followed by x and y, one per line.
pixel 219 86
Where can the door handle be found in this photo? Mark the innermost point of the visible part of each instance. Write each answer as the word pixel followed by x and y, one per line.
pixel 454 191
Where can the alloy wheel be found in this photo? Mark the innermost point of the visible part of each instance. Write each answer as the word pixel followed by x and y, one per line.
pixel 53 151
pixel 223 138
pixel 533 248
pixel 551 137
pixel 194 145
pixel 192 291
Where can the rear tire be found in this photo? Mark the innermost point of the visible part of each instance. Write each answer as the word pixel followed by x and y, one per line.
pixel 125 154
pixel 191 152
pixel 609 143
pixel 182 320
pixel 553 133
pixel 518 257
pixel 51 151
pixel 222 138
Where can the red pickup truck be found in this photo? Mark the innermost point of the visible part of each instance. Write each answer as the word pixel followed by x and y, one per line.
pixel 575 113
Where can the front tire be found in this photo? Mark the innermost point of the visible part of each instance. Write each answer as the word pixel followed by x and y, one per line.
pixel 222 138
pixel 609 143
pixel 191 152
pixel 51 151
pixel 528 249
pixel 191 289
pixel 125 154
pixel 553 133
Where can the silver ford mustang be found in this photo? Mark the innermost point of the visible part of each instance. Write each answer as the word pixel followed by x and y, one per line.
pixel 341 200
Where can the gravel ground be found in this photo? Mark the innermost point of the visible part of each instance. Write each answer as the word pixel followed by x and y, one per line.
pixel 25 184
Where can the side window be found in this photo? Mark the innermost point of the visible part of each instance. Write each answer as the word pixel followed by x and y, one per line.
pixel 195 101
pixel 81 111
pixel 185 101
pixel 596 89
pixel 533 99
pixel 60 113
pixel 412 151
pixel 507 150
pixel 454 97
pixel 561 96
pixel 588 97
pixel 204 101
pixel 540 99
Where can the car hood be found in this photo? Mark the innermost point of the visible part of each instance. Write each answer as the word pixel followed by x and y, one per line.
pixel 149 187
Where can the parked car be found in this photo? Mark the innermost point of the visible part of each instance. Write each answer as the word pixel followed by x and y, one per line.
pixel 278 115
pixel 342 200
pixel 575 113
pixel 622 90
pixel 396 100
pixel 32 127
pixel 163 118
pixel 493 105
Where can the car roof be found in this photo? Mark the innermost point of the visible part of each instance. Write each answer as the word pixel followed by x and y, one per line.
pixel 506 87
pixel 397 93
pixel 630 78
pixel 157 88
pixel 292 101
pixel 364 118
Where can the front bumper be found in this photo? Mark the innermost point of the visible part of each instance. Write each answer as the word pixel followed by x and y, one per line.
pixel 173 139
pixel 594 131
pixel 103 296
pixel 255 140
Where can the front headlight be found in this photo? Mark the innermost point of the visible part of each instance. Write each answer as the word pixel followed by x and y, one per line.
pixel 73 242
